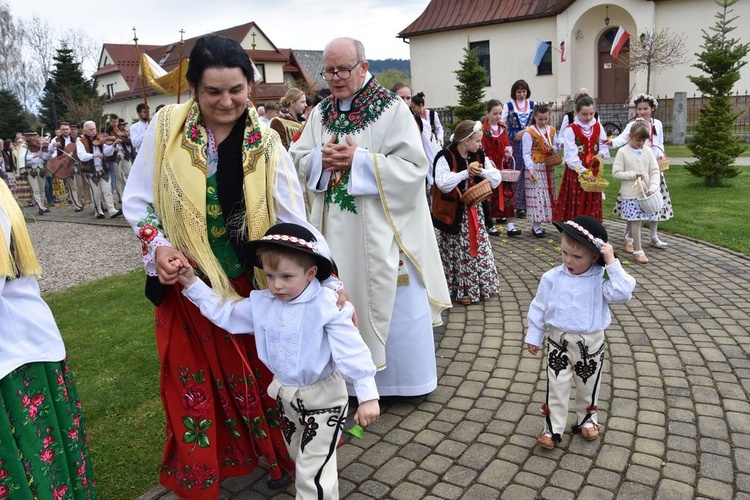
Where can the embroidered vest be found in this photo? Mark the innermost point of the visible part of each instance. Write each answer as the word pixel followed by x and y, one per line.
pixel 447 208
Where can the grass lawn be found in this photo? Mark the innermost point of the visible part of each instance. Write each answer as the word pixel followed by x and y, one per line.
pixel 716 214
pixel 108 328
pixel 682 151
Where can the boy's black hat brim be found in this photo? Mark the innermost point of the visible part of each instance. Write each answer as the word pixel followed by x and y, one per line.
pixel 582 239
pixel 292 234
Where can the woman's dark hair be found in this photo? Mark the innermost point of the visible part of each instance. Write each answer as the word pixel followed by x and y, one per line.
pixel 493 103
pixel 217 51
pixel 520 84
pixel 584 101
pixel 322 94
pixel 418 99
pixel 420 125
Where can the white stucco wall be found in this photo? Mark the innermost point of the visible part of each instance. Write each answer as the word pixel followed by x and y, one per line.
pixel 435 57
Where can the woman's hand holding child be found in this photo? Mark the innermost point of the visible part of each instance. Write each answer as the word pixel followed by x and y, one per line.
pixel 185 272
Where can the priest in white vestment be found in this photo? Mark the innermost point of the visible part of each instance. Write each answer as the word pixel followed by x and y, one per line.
pixel 362 157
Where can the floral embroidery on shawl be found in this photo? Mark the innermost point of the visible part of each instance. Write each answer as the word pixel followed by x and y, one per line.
pixel 195 138
pixel 367 107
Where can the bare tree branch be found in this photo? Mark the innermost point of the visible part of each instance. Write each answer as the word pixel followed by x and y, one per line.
pixel 11 44
pixel 654 52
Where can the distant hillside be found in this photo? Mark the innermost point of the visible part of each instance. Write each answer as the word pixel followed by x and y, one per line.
pixel 379 65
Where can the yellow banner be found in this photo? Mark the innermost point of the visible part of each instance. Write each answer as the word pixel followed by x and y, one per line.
pixel 161 81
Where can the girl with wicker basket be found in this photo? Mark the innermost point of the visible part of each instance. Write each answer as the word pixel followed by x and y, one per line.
pixel 495 143
pixel 540 159
pixel 464 245
pixel 645 105
pixel 584 144
pixel 635 164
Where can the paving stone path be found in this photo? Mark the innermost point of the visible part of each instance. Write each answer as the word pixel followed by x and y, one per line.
pixel 674 397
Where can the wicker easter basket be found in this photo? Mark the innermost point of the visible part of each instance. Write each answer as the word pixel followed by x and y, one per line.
pixel 649 204
pixel 477 193
pixel 594 183
pixel 664 161
pixel 510 174
pixel 553 160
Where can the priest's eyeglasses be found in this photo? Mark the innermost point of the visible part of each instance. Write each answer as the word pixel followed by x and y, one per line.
pixel 343 74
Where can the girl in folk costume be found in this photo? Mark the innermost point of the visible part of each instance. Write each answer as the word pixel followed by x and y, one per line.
pixel 494 143
pixel 645 105
pixel 540 180
pixel 636 163
pixel 44 450
pixel 584 139
pixel 517 116
pixel 465 248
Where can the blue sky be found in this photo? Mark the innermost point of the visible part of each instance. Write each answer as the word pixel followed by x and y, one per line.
pixel 297 24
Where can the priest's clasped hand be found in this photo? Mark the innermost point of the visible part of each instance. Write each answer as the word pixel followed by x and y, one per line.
pixel 338 156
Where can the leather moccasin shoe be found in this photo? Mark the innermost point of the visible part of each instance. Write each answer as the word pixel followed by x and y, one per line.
pixel 546 441
pixel 589 433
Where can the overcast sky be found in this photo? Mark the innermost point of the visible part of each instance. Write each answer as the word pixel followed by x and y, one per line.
pixel 295 24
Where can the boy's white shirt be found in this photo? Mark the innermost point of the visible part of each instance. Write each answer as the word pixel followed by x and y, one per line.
pixel 301 341
pixel 577 303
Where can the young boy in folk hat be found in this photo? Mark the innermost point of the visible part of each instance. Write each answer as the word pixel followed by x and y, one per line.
pixel 309 345
pixel 572 306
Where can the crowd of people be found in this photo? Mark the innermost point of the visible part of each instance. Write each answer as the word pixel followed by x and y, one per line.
pixel 340 226
pixel 80 165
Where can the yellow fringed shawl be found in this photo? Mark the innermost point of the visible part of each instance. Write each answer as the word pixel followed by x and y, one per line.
pixel 180 186
pixel 23 261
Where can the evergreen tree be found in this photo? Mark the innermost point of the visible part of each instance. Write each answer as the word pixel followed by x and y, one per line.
pixel 69 82
pixel 472 79
pixel 12 116
pixel 714 145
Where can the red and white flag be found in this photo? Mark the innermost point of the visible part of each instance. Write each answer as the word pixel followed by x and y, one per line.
pixel 621 38
pixel 563 52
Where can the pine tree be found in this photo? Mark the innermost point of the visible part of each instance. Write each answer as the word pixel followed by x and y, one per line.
pixel 12 116
pixel 68 82
pixel 714 145
pixel 472 79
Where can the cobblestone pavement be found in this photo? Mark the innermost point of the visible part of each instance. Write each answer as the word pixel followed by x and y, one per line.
pixel 674 398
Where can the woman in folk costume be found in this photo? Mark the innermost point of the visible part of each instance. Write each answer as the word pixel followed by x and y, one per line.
pixel 208 178
pixel 538 144
pixel 517 116
pixel 583 140
pixel 495 143
pixel 44 449
pixel 464 245
pixel 645 105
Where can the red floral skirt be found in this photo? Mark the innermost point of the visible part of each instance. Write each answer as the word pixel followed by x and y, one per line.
pixel 220 420
pixel 573 200
pixel 503 206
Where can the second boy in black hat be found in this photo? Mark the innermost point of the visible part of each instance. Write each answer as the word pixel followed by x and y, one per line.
pixel 572 306
pixel 309 345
